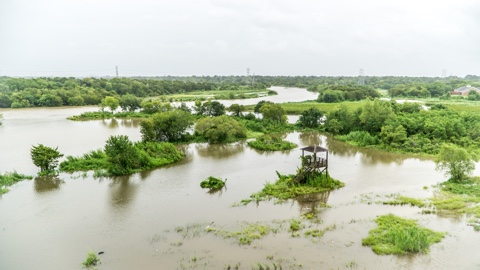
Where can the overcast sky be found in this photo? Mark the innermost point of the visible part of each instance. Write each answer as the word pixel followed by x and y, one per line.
pixel 225 37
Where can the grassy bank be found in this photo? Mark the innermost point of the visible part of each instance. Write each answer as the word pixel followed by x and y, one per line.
pixel 9 178
pixel 217 94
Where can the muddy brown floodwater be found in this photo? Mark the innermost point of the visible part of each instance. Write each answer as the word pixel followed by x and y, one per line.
pixel 158 219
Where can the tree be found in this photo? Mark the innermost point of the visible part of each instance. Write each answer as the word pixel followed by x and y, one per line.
pixel 46 158
pixel 273 112
pixel 236 109
pixel 1 119
pixel 310 118
pixel 129 103
pixel 260 104
pixel 168 126
pixel 220 129
pixel 121 155
pixel 374 114
pixel 456 161
pixel 213 108
pixel 110 102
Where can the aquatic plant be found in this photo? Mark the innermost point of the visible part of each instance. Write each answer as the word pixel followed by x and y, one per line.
pixel 10 178
pixel 213 183
pixel 91 260
pixel 402 200
pixel 395 235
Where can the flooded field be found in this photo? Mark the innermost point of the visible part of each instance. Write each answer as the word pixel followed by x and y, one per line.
pixel 162 219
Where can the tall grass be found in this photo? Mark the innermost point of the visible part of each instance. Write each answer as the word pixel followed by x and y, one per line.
pixel 395 235
pixel 9 178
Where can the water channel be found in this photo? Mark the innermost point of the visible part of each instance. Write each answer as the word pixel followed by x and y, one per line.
pixel 157 219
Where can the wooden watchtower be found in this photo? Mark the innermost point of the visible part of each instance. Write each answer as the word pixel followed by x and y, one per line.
pixel 316 161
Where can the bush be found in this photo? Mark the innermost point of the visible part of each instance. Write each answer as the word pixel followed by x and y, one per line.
pixel 271 143
pixel 91 260
pixel 220 129
pixel 213 183
pixel 360 138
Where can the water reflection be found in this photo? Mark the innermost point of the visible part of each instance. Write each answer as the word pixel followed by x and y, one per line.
pixel 47 183
pixel 130 123
pixel 122 191
pixel 368 156
pixel 218 192
pixel 219 151
pixel 311 138
pixel 311 204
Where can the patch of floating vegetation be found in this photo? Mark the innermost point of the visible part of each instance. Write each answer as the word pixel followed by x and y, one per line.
pixel 402 200
pixel 395 235
pixel 213 183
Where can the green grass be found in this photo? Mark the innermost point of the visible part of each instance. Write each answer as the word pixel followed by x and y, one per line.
pixel 271 143
pixel 9 178
pixel 395 235
pixel 247 234
pixel 287 188
pixel 91 260
pixel 213 183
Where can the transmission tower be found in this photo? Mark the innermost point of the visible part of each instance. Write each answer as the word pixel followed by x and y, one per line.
pixel 361 77
pixel 116 70
pixel 444 73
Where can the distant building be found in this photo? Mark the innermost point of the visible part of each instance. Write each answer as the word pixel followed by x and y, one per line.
pixel 464 90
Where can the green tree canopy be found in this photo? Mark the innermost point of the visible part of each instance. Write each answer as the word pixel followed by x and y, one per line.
pixel 455 161
pixel 168 126
pixel 111 102
pixel 129 103
pixel 46 158
pixel 236 109
pixel 273 112
pixel 310 118
pixel 220 129
pixel 121 154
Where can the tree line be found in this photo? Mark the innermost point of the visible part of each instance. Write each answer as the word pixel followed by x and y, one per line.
pixel 63 91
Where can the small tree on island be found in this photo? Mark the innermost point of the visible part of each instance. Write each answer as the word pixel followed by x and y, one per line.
pixel 46 158
pixel 455 161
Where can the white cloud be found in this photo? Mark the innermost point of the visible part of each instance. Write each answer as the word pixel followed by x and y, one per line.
pixel 146 37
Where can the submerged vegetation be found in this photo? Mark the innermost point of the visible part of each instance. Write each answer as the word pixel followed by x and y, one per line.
pixel 213 183
pixel 395 235
pixel 9 178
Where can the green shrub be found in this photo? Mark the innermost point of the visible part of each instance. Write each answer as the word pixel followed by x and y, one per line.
pixel 213 183
pixel 91 260
pixel 271 143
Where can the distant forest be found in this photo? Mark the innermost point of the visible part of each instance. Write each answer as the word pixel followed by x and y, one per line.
pixel 62 91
